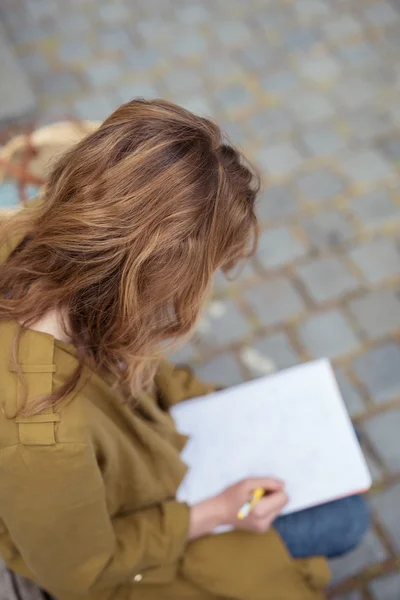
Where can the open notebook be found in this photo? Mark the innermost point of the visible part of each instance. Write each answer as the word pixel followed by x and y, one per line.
pixel 292 425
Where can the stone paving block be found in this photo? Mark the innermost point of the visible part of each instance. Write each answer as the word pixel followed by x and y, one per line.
pixel 323 141
pixel 311 107
pixel 327 279
pixel 373 466
pixel 182 80
pixel 328 228
pixel 366 166
pixel 360 55
pixel 280 159
pixel 377 260
pixel 223 370
pixel 378 370
pixel 302 39
pixel 355 92
pixel 222 323
pixel 375 209
pixel 386 587
pixel 269 354
pixel 103 73
pixel 233 33
pixel 272 122
pixel 74 50
pixel 386 505
pixel 378 312
pixel 274 301
pixel 350 596
pixel 322 69
pixel 368 125
pixel 114 12
pixel 327 334
pixel 383 430
pixel 351 396
pixel 312 9
pixel 138 89
pixel 275 202
pixel 61 83
pixel 189 44
pixel 278 247
pixel 369 552
pixel 279 83
pixel 192 14
pixel 320 186
pixel 95 107
pixel 185 355
pixel 381 13
pixel 116 40
pixel 342 27
pixel 234 96
pixel 235 277
pixel 199 105
pixel 143 59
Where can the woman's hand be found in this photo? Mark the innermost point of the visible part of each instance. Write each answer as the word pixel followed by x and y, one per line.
pixel 223 509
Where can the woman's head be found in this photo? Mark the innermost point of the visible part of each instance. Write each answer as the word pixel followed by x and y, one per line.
pixel 135 221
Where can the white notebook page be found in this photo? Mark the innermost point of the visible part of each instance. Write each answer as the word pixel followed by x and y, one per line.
pixel 292 425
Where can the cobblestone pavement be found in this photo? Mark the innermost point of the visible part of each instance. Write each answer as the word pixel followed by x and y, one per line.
pixel 310 90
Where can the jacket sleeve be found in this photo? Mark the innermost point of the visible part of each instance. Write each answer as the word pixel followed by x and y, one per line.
pixel 176 384
pixel 53 504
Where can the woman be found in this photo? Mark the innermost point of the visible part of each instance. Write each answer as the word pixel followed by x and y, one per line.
pixel 98 280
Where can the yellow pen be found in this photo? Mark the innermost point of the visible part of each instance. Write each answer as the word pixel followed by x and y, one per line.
pixel 246 509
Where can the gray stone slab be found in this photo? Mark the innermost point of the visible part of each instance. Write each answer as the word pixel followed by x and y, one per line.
pixel 278 247
pixel 223 370
pixel 383 430
pixel 280 159
pixel 99 106
pixel 355 92
pixel 16 96
pixel 342 27
pixel 375 209
pixel 377 260
pixel 269 354
pixel 320 186
pixel 378 312
pixel 369 552
pixel 323 141
pixel 328 228
pixel 366 166
pixel 277 201
pixel 386 505
pixel 185 355
pixel 281 82
pixel 386 587
pixel 274 301
pixel 311 107
pixel 350 596
pixel 381 13
pixel 379 371
pixel 351 396
pixel 320 69
pixel 327 279
pixel 327 334
pixel 222 323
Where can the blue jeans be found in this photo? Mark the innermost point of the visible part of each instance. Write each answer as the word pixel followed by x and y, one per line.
pixel 329 530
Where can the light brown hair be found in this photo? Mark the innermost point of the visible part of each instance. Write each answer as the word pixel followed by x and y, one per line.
pixel 135 220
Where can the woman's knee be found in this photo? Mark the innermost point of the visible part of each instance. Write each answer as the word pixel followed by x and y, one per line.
pixel 354 517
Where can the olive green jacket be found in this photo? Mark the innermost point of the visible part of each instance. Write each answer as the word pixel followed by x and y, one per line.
pixel 87 506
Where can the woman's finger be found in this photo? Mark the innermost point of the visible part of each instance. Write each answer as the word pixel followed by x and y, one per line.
pixel 270 504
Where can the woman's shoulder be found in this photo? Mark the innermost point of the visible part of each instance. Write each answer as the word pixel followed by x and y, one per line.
pixel 43 365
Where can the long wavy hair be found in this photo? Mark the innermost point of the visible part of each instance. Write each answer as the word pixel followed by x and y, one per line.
pixel 134 222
